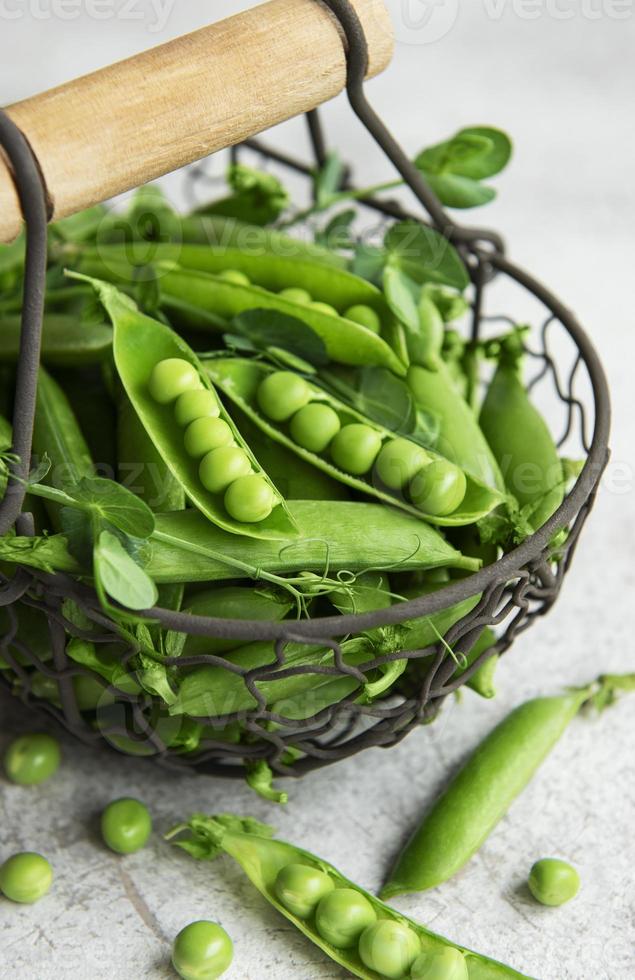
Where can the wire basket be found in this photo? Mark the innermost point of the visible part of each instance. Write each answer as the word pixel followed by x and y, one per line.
pixel 513 591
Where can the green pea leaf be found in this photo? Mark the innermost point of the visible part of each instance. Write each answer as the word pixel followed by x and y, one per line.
pixel 337 233
pixel 454 155
pixel 119 576
pixel 368 262
pixel 402 294
pixel 459 192
pixel 116 505
pixel 491 160
pixel 270 328
pixel 424 255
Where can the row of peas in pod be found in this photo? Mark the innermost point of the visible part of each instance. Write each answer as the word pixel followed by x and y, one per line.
pixel 359 313
pixel 224 466
pixel 434 485
pixel 344 918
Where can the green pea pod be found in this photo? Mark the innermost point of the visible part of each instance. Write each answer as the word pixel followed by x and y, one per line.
pixel 482 680
pixel 262 859
pixel 196 280
pixel 240 380
pixel 522 444
pixel 482 792
pixel 141 343
pixel 142 470
pixel 294 477
pixel 56 434
pixel 215 691
pixel 460 438
pixel 6 441
pixel 233 602
pixel 333 534
pixel 66 341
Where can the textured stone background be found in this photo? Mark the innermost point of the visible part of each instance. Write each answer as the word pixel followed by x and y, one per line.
pixel 563 87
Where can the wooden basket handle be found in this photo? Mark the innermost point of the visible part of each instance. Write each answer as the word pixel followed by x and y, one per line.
pixel 134 121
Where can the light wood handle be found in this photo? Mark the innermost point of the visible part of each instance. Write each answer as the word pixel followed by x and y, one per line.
pixel 134 121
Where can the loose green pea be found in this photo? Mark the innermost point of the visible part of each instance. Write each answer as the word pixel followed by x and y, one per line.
pixel 198 404
pixel 202 951
pixel 399 461
pixel 323 308
pixel 365 316
pixel 440 964
pixel 389 947
pixel 170 378
pixel 204 435
pixel 249 499
pixel 282 394
pixel 300 888
pixel 236 276
pixel 355 448
pixel 553 882
pixel 126 825
pixel 222 466
pixel 438 488
pixel 26 877
pixel 342 916
pixel 296 295
pixel 314 426
pixel 32 759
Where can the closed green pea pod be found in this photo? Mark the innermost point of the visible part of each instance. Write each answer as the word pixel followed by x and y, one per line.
pixel 233 602
pixel 389 945
pixel 57 434
pixel 66 340
pixel 522 444
pixel 482 792
pixel 197 282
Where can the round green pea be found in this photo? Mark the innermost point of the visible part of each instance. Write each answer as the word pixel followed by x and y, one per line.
pixel 314 426
pixel 249 499
pixel 440 964
pixel 236 276
pixel 300 888
pixel 296 295
pixel 32 759
pixel 389 947
pixel 355 447
pixel 282 394
pixel 342 916
pixel 170 378
pixel 438 488
pixel 365 316
pixel 202 951
pixel 198 404
pixel 222 466
pixel 203 435
pixel 324 308
pixel 26 877
pixel 126 825
pixel 553 882
pixel 399 461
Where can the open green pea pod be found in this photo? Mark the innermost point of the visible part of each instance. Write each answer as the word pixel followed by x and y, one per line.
pixel 192 283
pixel 263 859
pixel 140 344
pixel 241 380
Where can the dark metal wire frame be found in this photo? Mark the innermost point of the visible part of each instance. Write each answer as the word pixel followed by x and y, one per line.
pixel 514 589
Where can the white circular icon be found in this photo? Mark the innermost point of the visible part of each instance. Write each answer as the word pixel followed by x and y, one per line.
pixel 423 21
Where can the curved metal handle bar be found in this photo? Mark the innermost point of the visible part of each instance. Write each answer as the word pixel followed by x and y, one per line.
pixel 32 195
pixel 357 65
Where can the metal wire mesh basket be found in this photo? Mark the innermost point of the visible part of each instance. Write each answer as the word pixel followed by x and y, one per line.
pixel 513 591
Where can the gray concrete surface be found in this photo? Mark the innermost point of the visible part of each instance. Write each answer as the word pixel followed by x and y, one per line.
pixel 562 85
